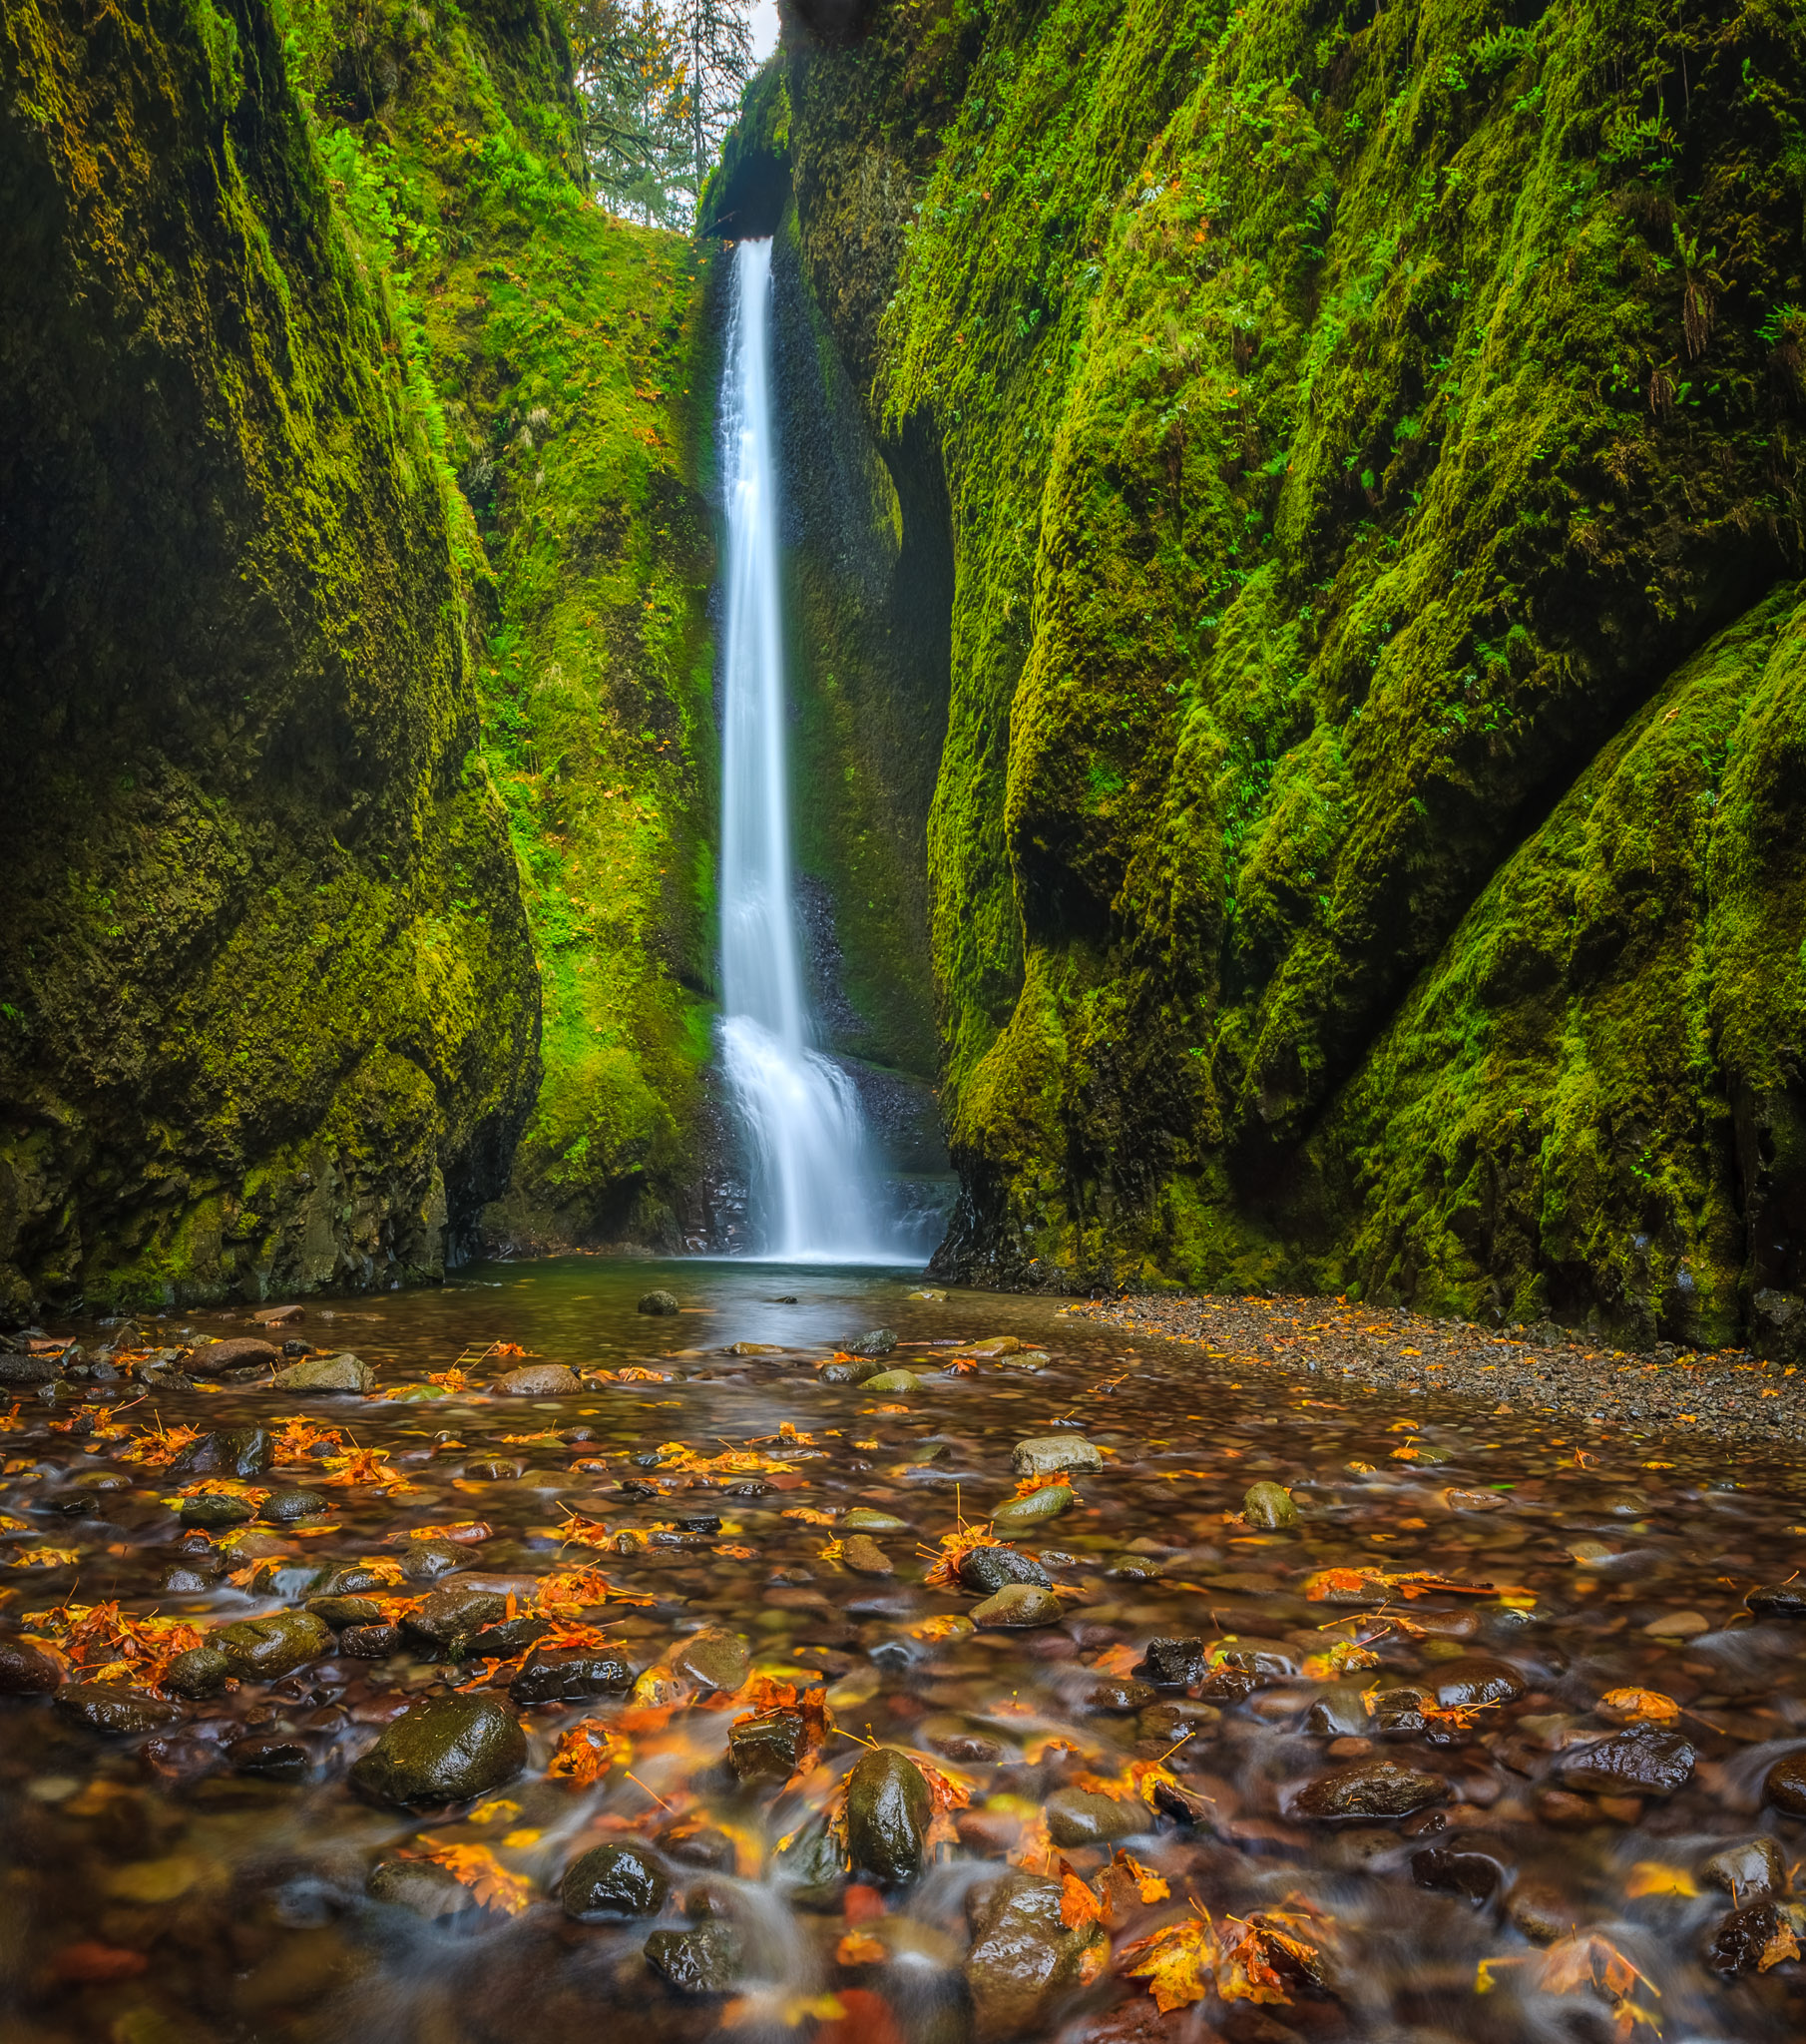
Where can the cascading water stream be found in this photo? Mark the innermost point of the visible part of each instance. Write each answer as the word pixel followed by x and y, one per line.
pixel 811 1180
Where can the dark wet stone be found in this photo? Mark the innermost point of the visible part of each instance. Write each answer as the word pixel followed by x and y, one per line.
pixel 283 1507
pixel 1740 1940
pixel 420 1886
pixel 349 1579
pixel 712 1659
pixel 319 1373
pixel 340 1612
pixel 1338 1713
pixel 612 1882
pixel 275 1759
pixel 570 1678
pixel 200 1672
pixel 451 1615
pixel 1400 1711
pixel 702 1960
pixel 659 1302
pixel 1115 1694
pixel 1173 1664
pixel 1785 1784
pixel 888 1810
pixel 212 1359
pixel 509 1637
pixel 1019 1604
pixel 1784 1600
pixel 768 1747
pixel 1185 1804
pixel 988 1569
pixel 370 1642
pixel 261 1649
pixel 190 1579
pixel 1078 1817
pixel 442 1750
pixel 1369 1789
pixel 858 1369
pixel 1270 1506
pixel 1227 1684
pixel 1022 1957
pixel 1640 1761
pixel 120 1713
pixel 696 1522
pixel 423 1560
pixel 540 1380
pixel 972 1748
pixel 880 1342
pixel 1169 1720
pixel 242 1451
pixel 1754 1867
pixel 213 1510
pixel 1458 1870
pixel 696 1843
pixel 1541 1910
pixel 28 1369
pixel 1461 1685
pixel 24 1672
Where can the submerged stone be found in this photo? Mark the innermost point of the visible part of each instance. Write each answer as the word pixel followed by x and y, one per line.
pixel 865 1557
pixel 1023 1957
pixel 893 1383
pixel 200 1672
pixel 1019 1604
pixel 1369 1789
pixel 1269 1505
pixel 712 1659
pixel 422 1887
pixel 1033 1510
pixel 614 1882
pixel 1640 1760
pixel 281 1507
pixel 659 1302
pixel 1461 1685
pixel 120 1713
pixel 1076 1817
pixel 1754 1867
pixel 442 1750
pixel 242 1451
pixel 703 1960
pixel 540 1380
pixel 25 1671
pixel 214 1509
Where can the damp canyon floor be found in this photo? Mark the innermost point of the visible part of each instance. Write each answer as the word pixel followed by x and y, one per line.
pixel 1011 1698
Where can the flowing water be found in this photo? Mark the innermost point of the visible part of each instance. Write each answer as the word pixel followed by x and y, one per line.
pixel 1521 1665
pixel 808 1160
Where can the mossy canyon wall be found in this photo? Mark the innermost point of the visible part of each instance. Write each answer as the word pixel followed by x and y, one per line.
pixel 1366 847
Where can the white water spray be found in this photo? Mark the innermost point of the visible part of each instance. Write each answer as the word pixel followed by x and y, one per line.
pixel 811 1177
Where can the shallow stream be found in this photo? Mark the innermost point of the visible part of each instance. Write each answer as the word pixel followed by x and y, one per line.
pixel 1458 1753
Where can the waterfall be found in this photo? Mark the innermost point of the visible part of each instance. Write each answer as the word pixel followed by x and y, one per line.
pixel 811 1179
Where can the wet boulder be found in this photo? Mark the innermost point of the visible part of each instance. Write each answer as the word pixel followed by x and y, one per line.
pixel 610 1883
pixel 349 1579
pixel 862 1554
pixel 448 1617
pixel 340 1612
pixel 888 1812
pixel 1639 1760
pixel 423 1561
pixel 570 1678
pixel 1076 1816
pixel 1782 1601
pixel 507 1637
pixel 242 1451
pixel 894 1383
pixel 1023 1958
pixel 880 1342
pixel 323 1373
pixel 658 1303
pixel 540 1380
pixel 119 1713
pixel 1117 1696
pixel 214 1359
pixel 768 1745
pixel 989 1569
pixel 1050 1454
pixel 1369 1789
pixel 1269 1506
pixel 853 1370
pixel 212 1510
pixel 283 1507
pixel 199 1673
pixel 1460 1871
pixel 1784 1785
pixel 1476 1678
pixel 442 1750
pixel 25 1671
pixel 1019 1604
pixel 1744 1938
pixel 263 1649
pixel 1019 1513
pixel 370 1642
pixel 1338 1712
pixel 272 1759
pixel 1173 1663
pixel 1754 1867
pixel 703 1960
pixel 712 1659
pixel 190 1578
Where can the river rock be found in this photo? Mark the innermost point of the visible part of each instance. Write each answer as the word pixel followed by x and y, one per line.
pixel 1022 1957
pixel 893 1383
pixel 342 1373
pixel 442 1750
pixel 370 1642
pixel 1033 1510
pixel 1369 1789
pixel 242 1451
pixel 1339 1711
pixel 191 1579
pixel 1047 1455
pixel 1461 1685
pixel 278 1315
pixel 340 1612
pixel 570 1678
pixel 989 1569
pixel 272 1759
pixel 659 1302
pixel 424 1560
pixel 1460 1871
pixel 1639 1760
pixel 888 1812
pixel 880 1342
pixel 1076 1816
pixel 282 1507
pixel 540 1380
pixel 507 1637
pixel 452 1614
pixel 1784 1601
pixel 854 1369
pixel 612 1883
pixel 1270 1506
pixel 120 1713
pixel 214 1357
pixel 1754 1867
pixel 349 1579
pixel 422 1887
pixel 265 1648
pixel 769 1745
pixel 703 1960
pixel 212 1509
pixel 19 1369
pixel 1173 1663
pixel 25 1671
pixel 1741 1940
pixel 1785 1784
pixel 1541 1910
pixel 199 1673
pixel 862 1554
pixel 1116 1695
pixel 712 1659
pixel 1019 1604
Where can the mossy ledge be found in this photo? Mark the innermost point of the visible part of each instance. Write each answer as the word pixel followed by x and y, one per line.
pixel 268 1013
pixel 1366 850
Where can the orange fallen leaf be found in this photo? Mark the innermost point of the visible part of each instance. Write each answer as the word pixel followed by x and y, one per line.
pixel 856 1948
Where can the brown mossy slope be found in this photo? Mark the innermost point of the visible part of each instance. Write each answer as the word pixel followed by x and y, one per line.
pixel 563 349
pixel 1356 856
pixel 269 1012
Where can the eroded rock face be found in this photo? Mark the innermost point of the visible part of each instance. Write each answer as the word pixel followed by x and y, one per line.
pixel 442 1750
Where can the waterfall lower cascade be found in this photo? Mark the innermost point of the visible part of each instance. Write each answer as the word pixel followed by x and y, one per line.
pixel 812 1182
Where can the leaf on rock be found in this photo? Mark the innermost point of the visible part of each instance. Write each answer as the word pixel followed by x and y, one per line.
pixel 586 1752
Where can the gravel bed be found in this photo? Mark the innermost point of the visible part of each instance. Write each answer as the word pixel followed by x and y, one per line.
pixel 1728 1394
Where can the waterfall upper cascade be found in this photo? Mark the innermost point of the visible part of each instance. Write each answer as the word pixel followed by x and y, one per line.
pixel 813 1190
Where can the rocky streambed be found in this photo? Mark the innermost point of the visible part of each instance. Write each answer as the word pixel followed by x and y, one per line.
pixel 812 1657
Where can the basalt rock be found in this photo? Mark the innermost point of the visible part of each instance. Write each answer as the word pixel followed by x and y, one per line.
pixel 568 1678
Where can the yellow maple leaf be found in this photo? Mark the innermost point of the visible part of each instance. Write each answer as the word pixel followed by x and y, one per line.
pixel 1178 1963
pixel 1649 1877
pixel 1640 1707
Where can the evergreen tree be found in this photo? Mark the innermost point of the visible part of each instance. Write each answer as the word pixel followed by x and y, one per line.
pixel 715 40
pixel 636 132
